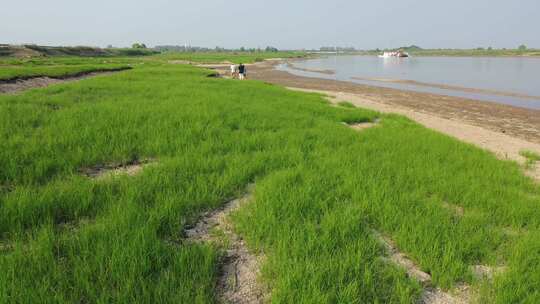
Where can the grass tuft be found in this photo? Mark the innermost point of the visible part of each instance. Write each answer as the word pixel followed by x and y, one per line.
pixel 346 104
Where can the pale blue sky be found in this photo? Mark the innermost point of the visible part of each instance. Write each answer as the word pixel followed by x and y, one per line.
pixel 281 23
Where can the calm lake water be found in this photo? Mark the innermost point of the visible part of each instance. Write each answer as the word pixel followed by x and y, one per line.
pixel 513 81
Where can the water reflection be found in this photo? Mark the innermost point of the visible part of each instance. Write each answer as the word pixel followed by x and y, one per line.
pixel 513 77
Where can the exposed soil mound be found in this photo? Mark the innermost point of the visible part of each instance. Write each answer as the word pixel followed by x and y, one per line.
pixel 16 85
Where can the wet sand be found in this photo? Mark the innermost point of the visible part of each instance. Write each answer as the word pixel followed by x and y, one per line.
pixel 450 87
pixel 327 72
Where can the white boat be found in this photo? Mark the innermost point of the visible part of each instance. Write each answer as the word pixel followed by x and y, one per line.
pixel 399 54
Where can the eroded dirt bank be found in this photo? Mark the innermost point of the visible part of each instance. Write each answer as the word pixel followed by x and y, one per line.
pixel 16 85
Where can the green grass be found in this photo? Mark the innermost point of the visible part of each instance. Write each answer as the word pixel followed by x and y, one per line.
pixel 346 104
pixel 69 60
pixel 62 66
pixel 320 190
pixel 236 57
pixel 14 72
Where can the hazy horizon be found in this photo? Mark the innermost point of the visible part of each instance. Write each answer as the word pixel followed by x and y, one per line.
pixel 283 24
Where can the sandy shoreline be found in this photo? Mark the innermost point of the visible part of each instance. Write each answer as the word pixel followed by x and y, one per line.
pixel 502 129
pixel 327 72
pixel 513 121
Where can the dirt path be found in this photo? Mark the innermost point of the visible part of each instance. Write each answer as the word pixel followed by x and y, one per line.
pixel 105 171
pixel 240 269
pixel 14 86
pixel 459 295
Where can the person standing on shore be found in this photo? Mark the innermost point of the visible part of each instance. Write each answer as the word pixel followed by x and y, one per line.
pixel 233 71
pixel 242 71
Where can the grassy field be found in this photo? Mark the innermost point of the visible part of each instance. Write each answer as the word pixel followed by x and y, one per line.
pixel 236 57
pixel 11 68
pixel 63 66
pixel 321 189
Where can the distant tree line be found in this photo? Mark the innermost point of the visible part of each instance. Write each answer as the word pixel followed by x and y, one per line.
pixel 337 49
pixel 490 48
pixel 195 49
pixel 415 48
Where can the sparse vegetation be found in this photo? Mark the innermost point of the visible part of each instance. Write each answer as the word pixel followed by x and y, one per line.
pixel 321 189
pixel 531 157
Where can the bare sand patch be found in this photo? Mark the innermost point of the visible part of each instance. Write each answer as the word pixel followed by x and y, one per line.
pixel 484 272
pixel 240 269
pixel 455 209
pixel 461 294
pixel 400 259
pixel 105 171
pixel 360 126
pixel 534 171
pixel 180 62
